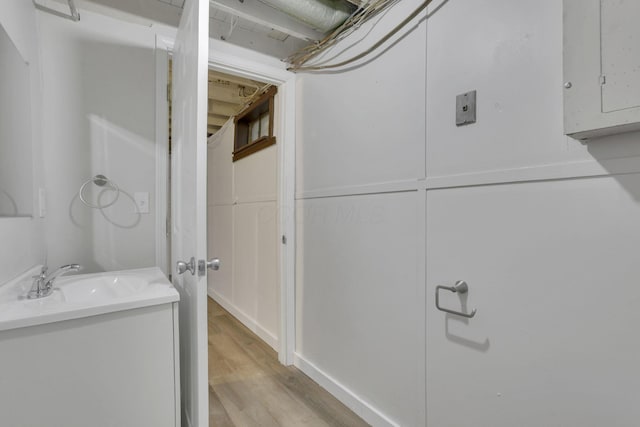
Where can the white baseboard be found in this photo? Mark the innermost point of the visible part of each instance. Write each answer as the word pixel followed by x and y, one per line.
pixel 246 320
pixel 343 394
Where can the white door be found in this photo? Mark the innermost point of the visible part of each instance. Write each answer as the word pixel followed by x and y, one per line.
pixel 552 269
pixel 188 195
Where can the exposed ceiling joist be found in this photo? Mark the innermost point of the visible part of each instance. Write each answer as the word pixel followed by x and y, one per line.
pixel 221 108
pixel 231 94
pixel 214 75
pixel 216 120
pixel 262 14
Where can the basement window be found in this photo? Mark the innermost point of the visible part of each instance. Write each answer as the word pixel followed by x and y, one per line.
pixel 254 126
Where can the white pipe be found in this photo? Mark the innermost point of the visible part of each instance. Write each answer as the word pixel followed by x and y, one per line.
pixel 323 15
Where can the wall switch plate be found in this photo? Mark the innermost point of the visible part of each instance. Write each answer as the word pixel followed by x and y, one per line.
pixel 42 203
pixel 466 108
pixel 142 202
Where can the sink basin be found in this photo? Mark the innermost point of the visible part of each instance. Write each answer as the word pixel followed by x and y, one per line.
pixel 108 287
pixel 83 295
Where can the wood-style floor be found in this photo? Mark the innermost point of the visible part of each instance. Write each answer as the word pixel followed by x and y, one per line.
pixel 249 387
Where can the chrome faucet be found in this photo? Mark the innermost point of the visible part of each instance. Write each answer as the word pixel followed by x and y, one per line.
pixel 43 283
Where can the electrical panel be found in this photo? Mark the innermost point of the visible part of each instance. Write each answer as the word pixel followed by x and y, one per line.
pixel 601 67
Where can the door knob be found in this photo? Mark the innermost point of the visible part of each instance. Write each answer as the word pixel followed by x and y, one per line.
pixel 214 264
pixel 190 266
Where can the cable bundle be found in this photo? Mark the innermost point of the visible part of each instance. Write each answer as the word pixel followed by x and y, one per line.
pixel 368 10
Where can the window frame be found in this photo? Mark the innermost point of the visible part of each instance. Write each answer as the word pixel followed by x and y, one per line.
pixel 242 145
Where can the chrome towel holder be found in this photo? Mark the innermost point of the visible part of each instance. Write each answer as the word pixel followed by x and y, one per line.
pixel 100 181
pixel 460 287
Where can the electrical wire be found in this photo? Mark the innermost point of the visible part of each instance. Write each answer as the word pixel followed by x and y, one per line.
pixel 360 15
pixel 298 61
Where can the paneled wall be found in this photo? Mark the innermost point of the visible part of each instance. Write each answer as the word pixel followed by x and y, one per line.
pixel 360 228
pixel 242 232
pixel 394 199
pixel 541 226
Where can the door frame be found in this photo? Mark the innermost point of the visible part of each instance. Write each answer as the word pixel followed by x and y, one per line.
pixel 238 61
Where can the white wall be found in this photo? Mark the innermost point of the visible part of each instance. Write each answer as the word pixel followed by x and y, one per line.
pixel 242 232
pixel 365 283
pixel 543 245
pixel 16 180
pixel 511 53
pixel 360 234
pixel 22 239
pixel 99 104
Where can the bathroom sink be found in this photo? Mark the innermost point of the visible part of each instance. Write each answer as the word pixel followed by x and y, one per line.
pixel 108 287
pixel 83 295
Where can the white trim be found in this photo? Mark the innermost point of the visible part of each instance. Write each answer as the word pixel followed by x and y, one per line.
pixel 246 200
pixel 244 66
pixel 287 219
pixel 176 361
pixel 252 65
pixel 356 190
pixel 162 154
pixel 354 402
pixel 558 171
pixel 245 319
pixel 256 199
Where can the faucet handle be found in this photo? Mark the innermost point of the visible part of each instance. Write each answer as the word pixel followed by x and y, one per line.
pixel 42 274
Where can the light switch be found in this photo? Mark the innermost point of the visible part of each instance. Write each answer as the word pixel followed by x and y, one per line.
pixel 142 202
pixel 42 202
pixel 466 108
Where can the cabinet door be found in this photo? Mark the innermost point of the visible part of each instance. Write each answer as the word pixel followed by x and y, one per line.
pixel 620 51
pixel 601 67
pixel 553 269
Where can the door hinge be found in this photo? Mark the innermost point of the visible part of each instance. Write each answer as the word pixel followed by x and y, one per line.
pixel 603 80
pixel 284 239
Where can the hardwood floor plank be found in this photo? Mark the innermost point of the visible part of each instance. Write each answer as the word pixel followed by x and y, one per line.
pixel 249 387
pixel 218 416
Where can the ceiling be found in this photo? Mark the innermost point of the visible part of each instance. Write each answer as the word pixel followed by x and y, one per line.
pixel 228 95
pixel 252 24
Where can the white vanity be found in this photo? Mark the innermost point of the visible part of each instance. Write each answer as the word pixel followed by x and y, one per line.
pixel 101 350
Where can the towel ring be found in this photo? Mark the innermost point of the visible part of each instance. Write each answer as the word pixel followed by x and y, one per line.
pixel 100 181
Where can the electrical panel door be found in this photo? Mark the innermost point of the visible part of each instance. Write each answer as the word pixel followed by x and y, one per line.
pixel 601 67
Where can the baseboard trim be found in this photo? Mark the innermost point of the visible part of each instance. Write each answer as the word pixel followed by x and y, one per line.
pixel 246 320
pixel 363 409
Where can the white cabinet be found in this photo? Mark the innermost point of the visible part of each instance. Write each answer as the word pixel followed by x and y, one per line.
pixel 115 369
pixel 601 67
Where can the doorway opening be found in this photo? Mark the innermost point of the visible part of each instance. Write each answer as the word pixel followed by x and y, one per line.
pixel 242 204
pixel 242 200
pixel 260 69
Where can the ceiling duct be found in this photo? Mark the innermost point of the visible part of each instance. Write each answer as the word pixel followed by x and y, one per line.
pixel 323 15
